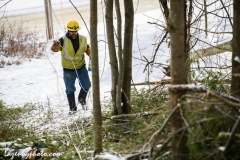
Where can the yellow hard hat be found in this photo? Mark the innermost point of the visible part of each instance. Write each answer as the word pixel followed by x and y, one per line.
pixel 73 26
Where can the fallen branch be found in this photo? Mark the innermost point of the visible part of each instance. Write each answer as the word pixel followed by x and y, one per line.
pixel 162 82
pixel 224 47
pixel 153 140
pixel 197 88
pixel 226 99
pixel 213 50
pixel 168 81
pixel 137 156
pixel 227 134
pixel 134 115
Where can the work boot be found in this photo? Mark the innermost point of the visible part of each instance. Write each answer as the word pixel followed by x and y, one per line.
pixel 83 104
pixel 72 104
pixel 82 98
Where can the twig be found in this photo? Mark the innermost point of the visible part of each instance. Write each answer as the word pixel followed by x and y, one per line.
pixel 136 115
pixel 77 150
pixel 159 44
pixel 183 118
pixel 224 113
pixel 162 82
pixel 235 127
pixel 197 88
pixel 5 4
pixel 154 137
pixel 224 7
pixel 167 141
pixel 204 30
pixel 134 87
pixel 80 16
pixel 143 154
pixel 174 134
pixel 128 101
pixel 227 134
pixel 229 100
pixel 168 81
pixel 226 99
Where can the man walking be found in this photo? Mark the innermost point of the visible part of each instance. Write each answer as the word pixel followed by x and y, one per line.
pixel 72 47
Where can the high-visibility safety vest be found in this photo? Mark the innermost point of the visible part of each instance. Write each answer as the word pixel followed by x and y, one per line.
pixel 70 59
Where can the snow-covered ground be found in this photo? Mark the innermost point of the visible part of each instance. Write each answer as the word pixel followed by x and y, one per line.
pixel 41 80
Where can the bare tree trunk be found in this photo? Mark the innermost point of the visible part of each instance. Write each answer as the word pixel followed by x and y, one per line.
pixel 120 59
pixel 235 85
pixel 177 30
pixel 189 20
pixel 97 114
pixel 127 55
pixel 112 52
pixel 165 9
pixel 205 16
pixel 188 37
pixel 49 23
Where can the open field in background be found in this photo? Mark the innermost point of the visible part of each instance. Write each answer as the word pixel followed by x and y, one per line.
pixel 35 21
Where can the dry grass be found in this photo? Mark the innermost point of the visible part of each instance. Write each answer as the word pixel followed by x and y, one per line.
pixel 17 44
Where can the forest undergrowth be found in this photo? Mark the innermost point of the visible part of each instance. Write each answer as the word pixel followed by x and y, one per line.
pixel 210 122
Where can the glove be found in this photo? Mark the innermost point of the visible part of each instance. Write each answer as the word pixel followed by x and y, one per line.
pixel 56 42
pixel 56 46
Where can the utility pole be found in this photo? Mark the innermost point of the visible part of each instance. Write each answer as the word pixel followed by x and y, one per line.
pixel 48 17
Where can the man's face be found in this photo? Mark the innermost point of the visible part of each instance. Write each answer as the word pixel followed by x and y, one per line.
pixel 72 34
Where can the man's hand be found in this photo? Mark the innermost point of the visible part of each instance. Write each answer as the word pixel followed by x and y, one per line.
pixel 56 46
pixel 88 52
pixel 56 42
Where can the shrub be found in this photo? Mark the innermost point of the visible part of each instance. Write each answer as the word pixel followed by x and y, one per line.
pixel 19 44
